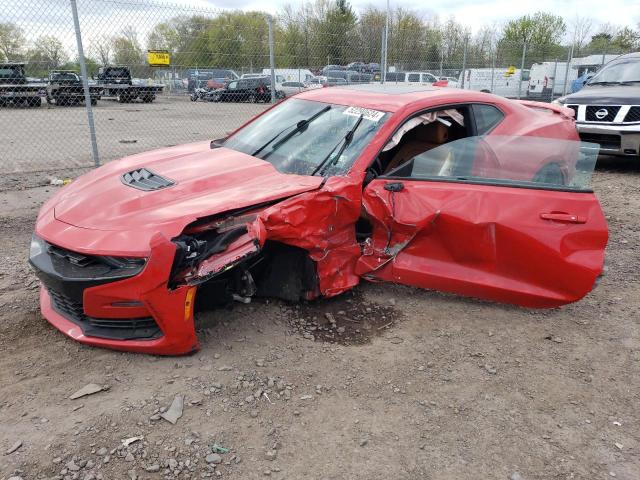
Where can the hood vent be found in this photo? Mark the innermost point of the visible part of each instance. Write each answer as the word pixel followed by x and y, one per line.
pixel 144 179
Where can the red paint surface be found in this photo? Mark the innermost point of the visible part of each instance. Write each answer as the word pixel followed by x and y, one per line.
pixel 468 239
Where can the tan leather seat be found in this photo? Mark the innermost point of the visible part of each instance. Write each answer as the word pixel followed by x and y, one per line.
pixel 424 137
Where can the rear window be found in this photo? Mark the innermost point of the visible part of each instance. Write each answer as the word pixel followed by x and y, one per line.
pixel 511 161
pixel 487 117
pixel 117 72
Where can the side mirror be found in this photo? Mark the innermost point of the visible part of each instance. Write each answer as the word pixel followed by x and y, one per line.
pixel 217 143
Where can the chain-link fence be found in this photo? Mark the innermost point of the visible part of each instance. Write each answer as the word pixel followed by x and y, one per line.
pixel 155 74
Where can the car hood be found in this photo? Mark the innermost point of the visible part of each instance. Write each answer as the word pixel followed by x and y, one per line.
pixel 605 95
pixel 206 182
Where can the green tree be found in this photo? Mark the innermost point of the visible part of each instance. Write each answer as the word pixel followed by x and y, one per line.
pixel 126 49
pixel 12 43
pixel 47 53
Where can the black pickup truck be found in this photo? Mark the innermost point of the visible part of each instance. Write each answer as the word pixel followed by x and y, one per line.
pixel 15 88
pixel 116 82
pixel 65 88
pixel 607 109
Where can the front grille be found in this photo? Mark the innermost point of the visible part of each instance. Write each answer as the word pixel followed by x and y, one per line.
pixel 144 179
pixel 594 113
pixel 67 307
pixel 109 328
pixel 609 142
pixel 126 324
pixel 633 115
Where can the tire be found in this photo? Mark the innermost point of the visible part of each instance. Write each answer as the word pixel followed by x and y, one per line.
pixel 550 174
pixel 34 102
pixel 193 98
pixel 94 101
pixel 122 99
pixel 147 99
pixel 49 100
pixel 252 98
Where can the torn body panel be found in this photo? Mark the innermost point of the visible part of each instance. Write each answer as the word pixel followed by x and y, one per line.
pixel 321 222
pixel 485 241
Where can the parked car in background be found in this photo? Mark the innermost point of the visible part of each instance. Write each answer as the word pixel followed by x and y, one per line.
pixel 607 109
pixel 450 82
pixel 292 88
pixel 411 78
pixel 330 68
pixel 580 82
pixel 443 189
pixel 357 67
pixel 210 77
pixel 326 81
pixel 372 67
pixel 250 90
pixel 16 89
pixel 65 88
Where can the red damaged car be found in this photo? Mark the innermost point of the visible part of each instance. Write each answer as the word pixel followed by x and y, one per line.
pixel 443 189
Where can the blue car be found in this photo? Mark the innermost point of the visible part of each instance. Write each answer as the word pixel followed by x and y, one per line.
pixel 579 82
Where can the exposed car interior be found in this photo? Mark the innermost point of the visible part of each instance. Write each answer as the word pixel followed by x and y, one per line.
pixel 423 133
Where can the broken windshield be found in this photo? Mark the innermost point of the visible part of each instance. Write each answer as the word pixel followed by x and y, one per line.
pixel 302 145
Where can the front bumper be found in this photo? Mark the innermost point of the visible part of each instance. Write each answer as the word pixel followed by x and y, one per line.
pixel 621 140
pixel 134 313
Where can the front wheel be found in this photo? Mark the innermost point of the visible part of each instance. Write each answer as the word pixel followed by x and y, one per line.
pixel 94 101
pixel 193 97
pixel 252 98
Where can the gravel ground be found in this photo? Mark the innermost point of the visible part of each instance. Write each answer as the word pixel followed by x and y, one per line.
pixel 419 385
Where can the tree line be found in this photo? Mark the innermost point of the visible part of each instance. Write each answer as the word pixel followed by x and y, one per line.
pixel 327 32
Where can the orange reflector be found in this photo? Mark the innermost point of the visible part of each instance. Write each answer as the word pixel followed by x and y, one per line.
pixel 188 303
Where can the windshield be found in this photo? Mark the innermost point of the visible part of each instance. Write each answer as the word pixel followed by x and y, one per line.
pixel 301 134
pixel 117 72
pixel 620 71
pixel 64 76
pixel 10 72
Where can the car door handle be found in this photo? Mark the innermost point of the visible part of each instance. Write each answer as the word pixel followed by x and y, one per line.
pixel 563 217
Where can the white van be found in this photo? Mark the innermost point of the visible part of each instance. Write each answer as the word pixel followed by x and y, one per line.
pixel 548 78
pixel 289 74
pixel 500 81
pixel 411 78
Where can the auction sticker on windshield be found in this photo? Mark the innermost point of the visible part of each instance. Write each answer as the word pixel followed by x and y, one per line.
pixel 367 113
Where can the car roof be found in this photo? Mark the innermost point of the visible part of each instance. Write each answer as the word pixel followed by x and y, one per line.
pixel 391 97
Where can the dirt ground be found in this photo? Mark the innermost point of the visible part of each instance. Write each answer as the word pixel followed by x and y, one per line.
pixel 420 385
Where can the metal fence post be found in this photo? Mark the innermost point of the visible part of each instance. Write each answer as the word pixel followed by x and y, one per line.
pixel 493 70
pixel 464 60
pixel 382 46
pixel 272 59
pixel 524 54
pixel 85 84
pixel 553 83
pixel 566 70
pixel 386 46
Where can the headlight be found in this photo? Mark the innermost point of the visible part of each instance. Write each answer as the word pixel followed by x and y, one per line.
pixel 560 101
pixel 37 246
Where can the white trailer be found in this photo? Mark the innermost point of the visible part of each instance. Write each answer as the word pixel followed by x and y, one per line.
pixel 500 81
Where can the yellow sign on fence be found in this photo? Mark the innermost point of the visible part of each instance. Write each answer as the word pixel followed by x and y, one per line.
pixel 510 71
pixel 158 58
